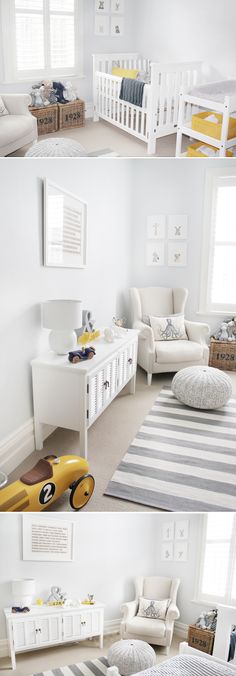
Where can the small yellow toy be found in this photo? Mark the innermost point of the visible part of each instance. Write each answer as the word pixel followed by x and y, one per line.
pixel 45 482
pixel 39 602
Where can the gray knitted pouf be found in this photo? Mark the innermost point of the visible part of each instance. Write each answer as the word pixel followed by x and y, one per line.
pixel 202 387
pixel 56 147
pixel 131 656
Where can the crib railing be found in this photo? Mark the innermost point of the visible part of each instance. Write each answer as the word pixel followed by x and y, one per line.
pixel 111 108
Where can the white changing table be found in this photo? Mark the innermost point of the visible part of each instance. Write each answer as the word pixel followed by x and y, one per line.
pixel 225 107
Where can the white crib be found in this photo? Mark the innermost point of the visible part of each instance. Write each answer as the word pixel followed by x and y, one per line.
pixel 159 113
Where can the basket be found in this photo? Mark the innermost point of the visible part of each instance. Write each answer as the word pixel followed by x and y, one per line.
pixel 47 118
pixel 199 123
pixel 201 639
pixel 193 151
pixel 222 355
pixel 71 114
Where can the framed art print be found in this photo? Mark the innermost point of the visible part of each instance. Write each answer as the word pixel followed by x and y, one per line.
pixel 117 26
pixel 155 253
pixel 117 6
pixel 102 6
pixel 167 551
pixel 65 228
pixel 102 25
pixel 181 530
pixel 45 539
pixel 177 254
pixel 156 226
pixel 181 551
pixel 168 530
pixel 178 227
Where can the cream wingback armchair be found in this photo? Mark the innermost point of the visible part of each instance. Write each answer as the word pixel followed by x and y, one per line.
pixel 19 127
pixel 154 631
pixel 166 355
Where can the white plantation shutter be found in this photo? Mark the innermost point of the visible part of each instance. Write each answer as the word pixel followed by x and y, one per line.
pixel 45 38
pixel 218 287
pixel 217 581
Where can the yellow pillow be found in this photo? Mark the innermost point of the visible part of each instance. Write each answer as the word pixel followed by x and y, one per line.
pixel 125 72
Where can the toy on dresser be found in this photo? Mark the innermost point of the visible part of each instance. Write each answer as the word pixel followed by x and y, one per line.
pixel 57 597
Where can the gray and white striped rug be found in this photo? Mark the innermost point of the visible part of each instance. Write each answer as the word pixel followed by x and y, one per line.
pixel 96 667
pixel 182 459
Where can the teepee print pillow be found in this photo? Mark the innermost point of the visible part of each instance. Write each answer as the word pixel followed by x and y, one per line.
pixel 169 328
pixel 3 110
pixel 153 610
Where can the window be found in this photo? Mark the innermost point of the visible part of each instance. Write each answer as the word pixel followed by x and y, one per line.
pixel 218 290
pixel 46 38
pixel 217 579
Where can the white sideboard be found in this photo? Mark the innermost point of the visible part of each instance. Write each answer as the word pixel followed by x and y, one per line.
pixel 74 395
pixel 47 626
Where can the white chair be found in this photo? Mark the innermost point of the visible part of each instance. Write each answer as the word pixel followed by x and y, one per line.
pixel 171 355
pixel 19 127
pixel 154 631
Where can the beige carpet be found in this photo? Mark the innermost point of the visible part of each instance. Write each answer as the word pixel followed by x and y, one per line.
pixel 52 658
pixel 108 440
pixel 95 136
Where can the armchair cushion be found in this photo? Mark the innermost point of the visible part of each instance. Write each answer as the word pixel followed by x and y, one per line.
pixel 146 627
pixel 177 351
pixel 155 610
pixel 170 327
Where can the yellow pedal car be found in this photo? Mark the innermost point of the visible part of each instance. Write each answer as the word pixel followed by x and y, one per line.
pixel 45 482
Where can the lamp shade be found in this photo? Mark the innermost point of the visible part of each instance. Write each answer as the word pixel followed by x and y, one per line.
pixel 22 591
pixel 62 315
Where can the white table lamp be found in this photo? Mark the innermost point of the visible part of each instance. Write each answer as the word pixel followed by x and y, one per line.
pixel 22 591
pixel 62 317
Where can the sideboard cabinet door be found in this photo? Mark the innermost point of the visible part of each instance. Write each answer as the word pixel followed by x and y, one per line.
pixel 25 634
pixel 50 630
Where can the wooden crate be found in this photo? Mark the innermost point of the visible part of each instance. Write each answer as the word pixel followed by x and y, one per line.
pixel 223 355
pixel 47 118
pixel 71 114
pixel 201 639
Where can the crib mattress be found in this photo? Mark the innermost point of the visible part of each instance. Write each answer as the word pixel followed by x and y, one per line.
pixel 215 91
pixel 188 665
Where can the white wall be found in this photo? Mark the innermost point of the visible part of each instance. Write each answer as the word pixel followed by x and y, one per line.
pixel 92 44
pixel 189 30
pixel 24 282
pixel 111 550
pixel 168 187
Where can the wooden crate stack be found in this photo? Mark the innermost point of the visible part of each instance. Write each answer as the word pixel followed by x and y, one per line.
pixel 201 639
pixel 223 355
pixel 59 116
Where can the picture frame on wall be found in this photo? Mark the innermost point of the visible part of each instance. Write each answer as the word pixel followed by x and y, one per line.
pixel 155 253
pixel 65 228
pixel 45 539
pixel 168 530
pixel 117 26
pixel 102 6
pixel 102 25
pixel 177 254
pixel 117 6
pixel 167 551
pixel 178 227
pixel 156 226
pixel 182 530
pixel 181 551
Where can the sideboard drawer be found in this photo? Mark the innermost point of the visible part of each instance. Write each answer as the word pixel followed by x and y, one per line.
pixel 102 388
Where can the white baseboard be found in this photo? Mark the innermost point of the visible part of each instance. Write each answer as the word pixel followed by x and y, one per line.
pixel 112 626
pixel 3 647
pixel 15 448
pixel 181 629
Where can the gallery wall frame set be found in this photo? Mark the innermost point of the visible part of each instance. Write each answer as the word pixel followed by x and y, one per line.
pixel 109 18
pixel 175 541
pixel 167 240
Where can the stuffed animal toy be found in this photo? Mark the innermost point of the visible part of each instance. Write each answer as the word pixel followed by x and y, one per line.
pixel 232 330
pixel 223 332
pixel 69 92
pixel 59 92
pixel 208 620
pixel 48 93
pixel 36 96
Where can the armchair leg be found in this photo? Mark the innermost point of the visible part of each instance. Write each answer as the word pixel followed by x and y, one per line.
pixel 167 650
pixel 149 379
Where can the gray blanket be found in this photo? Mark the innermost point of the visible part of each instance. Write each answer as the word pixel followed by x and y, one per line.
pixel 132 91
pixel 188 665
